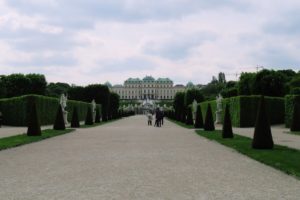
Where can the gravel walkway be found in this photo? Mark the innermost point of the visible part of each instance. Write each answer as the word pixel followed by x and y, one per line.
pixel 129 160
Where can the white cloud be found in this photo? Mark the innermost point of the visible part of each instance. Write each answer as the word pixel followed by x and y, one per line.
pixel 92 41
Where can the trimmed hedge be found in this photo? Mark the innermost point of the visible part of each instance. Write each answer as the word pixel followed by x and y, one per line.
pixel 290 101
pixel 14 109
pixel 243 109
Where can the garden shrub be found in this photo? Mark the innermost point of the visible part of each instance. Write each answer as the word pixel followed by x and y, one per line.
pixel 14 109
pixel 199 118
pixel 89 117
pixel 227 126
pixel 262 138
pixel 209 122
pixel 33 128
pixel 59 123
pixel 290 101
pixel 75 121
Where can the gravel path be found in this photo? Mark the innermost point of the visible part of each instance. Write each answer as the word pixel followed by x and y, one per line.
pixel 129 160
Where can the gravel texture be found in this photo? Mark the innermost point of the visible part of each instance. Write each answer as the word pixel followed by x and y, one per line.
pixel 129 160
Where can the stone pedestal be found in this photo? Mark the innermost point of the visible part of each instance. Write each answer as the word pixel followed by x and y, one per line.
pixel 65 115
pixel 94 116
pixel 218 117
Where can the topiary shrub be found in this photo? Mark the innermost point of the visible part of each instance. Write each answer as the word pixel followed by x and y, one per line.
pixel 189 118
pixel 97 118
pixel 209 122
pixel 89 117
pixel 34 128
pixel 227 126
pixel 75 121
pixel 262 138
pixel 59 123
pixel 295 126
pixel 199 118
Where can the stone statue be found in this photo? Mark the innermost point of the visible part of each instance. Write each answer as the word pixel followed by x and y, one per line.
pixel 194 107
pixel 63 102
pixel 94 110
pixel 219 109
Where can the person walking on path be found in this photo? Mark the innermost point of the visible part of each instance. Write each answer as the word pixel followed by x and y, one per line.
pixel 150 117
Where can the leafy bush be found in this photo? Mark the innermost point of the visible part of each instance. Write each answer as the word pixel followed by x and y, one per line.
pixel 14 109
pixel 189 118
pixel 295 126
pixel 290 101
pixel 199 118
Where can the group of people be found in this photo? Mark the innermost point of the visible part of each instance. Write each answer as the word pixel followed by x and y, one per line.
pixel 159 118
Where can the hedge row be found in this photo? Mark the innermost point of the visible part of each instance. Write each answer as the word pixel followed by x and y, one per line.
pixel 14 110
pixel 290 101
pixel 243 109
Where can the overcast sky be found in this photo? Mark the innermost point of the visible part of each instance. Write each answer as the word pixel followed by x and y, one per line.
pixel 94 41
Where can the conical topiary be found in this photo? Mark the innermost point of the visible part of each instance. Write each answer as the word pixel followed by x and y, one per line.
pixel 89 117
pixel 262 138
pixel 295 125
pixel 227 126
pixel 75 120
pixel 199 118
pixel 34 128
pixel 189 118
pixel 59 123
pixel 97 120
pixel 209 120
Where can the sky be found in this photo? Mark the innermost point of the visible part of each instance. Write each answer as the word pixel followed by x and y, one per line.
pixel 93 41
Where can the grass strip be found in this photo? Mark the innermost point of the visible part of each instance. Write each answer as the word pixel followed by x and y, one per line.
pixel 99 124
pixel 18 140
pixel 181 124
pixel 293 133
pixel 283 158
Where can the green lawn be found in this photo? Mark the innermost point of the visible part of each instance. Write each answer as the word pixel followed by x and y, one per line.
pixel 281 157
pixel 98 124
pixel 294 133
pixel 18 140
pixel 181 124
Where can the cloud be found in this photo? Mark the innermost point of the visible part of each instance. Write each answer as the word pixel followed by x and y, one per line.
pixel 187 40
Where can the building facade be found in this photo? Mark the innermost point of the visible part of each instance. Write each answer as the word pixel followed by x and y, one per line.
pixel 147 88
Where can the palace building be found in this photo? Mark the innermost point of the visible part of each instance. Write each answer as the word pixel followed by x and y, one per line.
pixel 147 88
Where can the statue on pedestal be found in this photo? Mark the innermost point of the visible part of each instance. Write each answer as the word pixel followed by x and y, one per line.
pixel 194 108
pixel 219 109
pixel 63 102
pixel 94 110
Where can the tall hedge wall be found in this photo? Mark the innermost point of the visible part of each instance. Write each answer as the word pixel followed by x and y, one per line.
pixel 243 109
pixel 14 110
pixel 290 101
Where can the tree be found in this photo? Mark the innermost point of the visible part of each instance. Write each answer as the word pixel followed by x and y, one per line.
pixel 227 126
pixel 37 85
pixel 89 117
pixel 269 83
pixel 189 119
pixel 222 78
pixel 114 104
pixel 262 138
pixel 191 95
pixel 56 89
pixel 245 85
pixel 75 119
pixel 16 85
pixel 59 123
pixel 178 105
pixel 2 87
pixel 77 93
pixel 209 121
pixel 34 128
pixel 295 126
pixel 100 93
pixel 199 118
